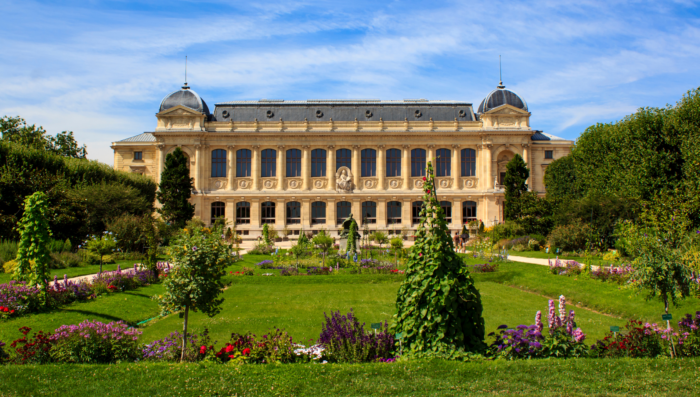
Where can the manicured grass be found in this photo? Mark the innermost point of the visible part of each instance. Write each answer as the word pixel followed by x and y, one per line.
pixel 605 297
pixel 79 271
pixel 582 377
pixel 591 261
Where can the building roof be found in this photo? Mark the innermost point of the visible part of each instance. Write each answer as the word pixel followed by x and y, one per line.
pixel 343 110
pixel 544 137
pixel 499 97
pixel 145 137
pixel 185 97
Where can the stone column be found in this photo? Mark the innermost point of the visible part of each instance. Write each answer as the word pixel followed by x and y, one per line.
pixel 406 168
pixel 280 216
pixel 456 169
pixel 330 167
pixel 206 169
pixel 306 214
pixel 381 213
pixel 198 168
pixel 206 211
pixel 331 222
pixel 255 213
pixel 457 213
pixel 381 167
pixel 161 161
pixel 406 213
pixel 430 154
pixel 526 158
pixel 230 213
pixel 356 171
pixel 306 168
pixel 231 171
pixel 357 211
pixel 488 177
pixel 255 170
pixel 281 166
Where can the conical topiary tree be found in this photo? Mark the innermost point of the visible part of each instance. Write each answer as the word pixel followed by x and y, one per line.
pixel 32 249
pixel 439 309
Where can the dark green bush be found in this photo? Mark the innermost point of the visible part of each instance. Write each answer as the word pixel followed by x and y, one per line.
pixel 570 237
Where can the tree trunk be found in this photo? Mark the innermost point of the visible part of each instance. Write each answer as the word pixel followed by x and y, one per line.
pixel 184 335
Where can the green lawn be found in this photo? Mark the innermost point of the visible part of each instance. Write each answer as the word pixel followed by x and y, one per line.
pixel 593 261
pixel 79 271
pixel 582 377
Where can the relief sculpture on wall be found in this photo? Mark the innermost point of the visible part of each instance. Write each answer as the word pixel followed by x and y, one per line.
pixel 343 180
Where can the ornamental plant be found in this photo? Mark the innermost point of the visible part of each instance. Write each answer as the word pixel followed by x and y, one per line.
pixel 324 243
pixel 35 350
pixel 32 252
pixel 345 340
pixel 170 347
pixel 175 190
pixel 352 237
pixel 634 340
pixel 266 235
pixel 94 342
pixel 101 246
pixel 195 280
pixel 515 186
pixel 439 309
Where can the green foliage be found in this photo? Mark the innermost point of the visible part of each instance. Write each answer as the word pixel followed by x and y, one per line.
pixel 514 182
pixel 439 309
pixel 16 130
pixel 175 190
pixel 379 237
pixel 32 250
pixel 266 235
pixel 195 282
pixel 464 230
pixel 396 243
pixel 353 236
pixel 303 240
pixel 535 214
pixel 101 246
pixel 570 237
pixel 560 179
pixel 8 250
pixel 323 242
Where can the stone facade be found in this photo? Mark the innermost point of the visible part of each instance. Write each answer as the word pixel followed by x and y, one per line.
pixel 292 165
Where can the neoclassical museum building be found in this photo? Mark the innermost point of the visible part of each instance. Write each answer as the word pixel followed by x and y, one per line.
pixel 309 164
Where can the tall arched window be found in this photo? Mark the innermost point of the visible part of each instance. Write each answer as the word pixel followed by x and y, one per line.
pixel 218 211
pixel 369 212
pixel 243 161
pixel 393 212
pixel 444 162
pixel 447 210
pixel 318 163
pixel 269 163
pixel 369 162
pixel 343 158
pixel 318 212
pixel 468 211
pixel 293 162
pixel 342 211
pixel 393 162
pixel 418 162
pixel 267 212
pixel 242 212
pixel 293 212
pixel 218 163
pixel 416 208
pixel 468 162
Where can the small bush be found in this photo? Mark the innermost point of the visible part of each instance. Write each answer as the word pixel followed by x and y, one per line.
pixel 9 266
pixel 570 237
pixel 636 340
pixel 346 341
pixel 170 347
pixel 8 250
pixel 95 342
pixel 262 249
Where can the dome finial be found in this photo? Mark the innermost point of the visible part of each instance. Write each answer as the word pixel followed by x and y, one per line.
pixel 500 74
pixel 185 87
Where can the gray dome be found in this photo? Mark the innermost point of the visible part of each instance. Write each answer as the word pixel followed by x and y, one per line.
pixel 499 97
pixel 185 97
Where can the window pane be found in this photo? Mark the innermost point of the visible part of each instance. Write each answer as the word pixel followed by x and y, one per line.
pixel 318 212
pixel 468 211
pixel 293 212
pixel 242 212
pixel 343 158
pixel 343 210
pixel 218 211
pixel 318 163
pixel 393 162
pixel 393 212
pixel 243 161
pixel 369 162
pixel 468 162
pixel 269 163
pixel 267 210
pixel 218 163
pixel 443 162
pixel 369 212
pixel 293 162
pixel 416 208
pixel 447 210
pixel 418 162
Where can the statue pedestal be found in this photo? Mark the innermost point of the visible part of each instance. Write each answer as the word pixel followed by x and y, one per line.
pixel 343 242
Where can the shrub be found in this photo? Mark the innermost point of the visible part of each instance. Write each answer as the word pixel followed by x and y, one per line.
pixel 65 259
pixel 262 249
pixel 19 298
pixel 318 271
pixel 570 237
pixel 689 329
pixel 276 347
pixel 3 355
pixel 635 341
pixel 9 266
pixel 35 350
pixel 8 250
pixel 170 347
pixel 486 268
pixel 248 271
pixel 619 275
pixel 289 272
pixel 568 268
pixel 95 342
pixel 346 341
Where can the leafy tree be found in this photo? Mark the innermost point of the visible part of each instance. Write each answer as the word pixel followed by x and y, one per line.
pixel 536 214
pixel 152 239
pixel 396 245
pixel 16 130
pixel 199 259
pixel 175 190
pixel 439 309
pixel 101 246
pixel 464 230
pixel 514 181
pixel 380 238
pixel 303 240
pixel 32 250
pixel 324 243
pixel 560 179
pixel 64 144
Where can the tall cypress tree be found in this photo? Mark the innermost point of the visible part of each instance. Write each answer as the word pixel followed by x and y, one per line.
pixel 439 309
pixel 514 181
pixel 175 190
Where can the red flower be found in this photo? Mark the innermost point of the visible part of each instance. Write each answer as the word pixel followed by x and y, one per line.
pixel 228 349
pixel 12 311
pixel 246 351
pixel 231 356
pixel 424 179
pixel 203 350
pixel 428 191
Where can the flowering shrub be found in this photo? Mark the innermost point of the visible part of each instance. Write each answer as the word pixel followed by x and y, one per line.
pixel 275 347
pixel 563 340
pixel 486 268
pixel 319 271
pixel 170 347
pixel 3 355
pixel 636 340
pixel 266 264
pixel 95 342
pixel 619 274
pixel 289 272
pixel 345 340
pixel 32 350
pixel 16 298
pixel 569 268
pixel 689 329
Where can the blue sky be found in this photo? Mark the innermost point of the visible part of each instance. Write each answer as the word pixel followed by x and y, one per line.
pixel 101 68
